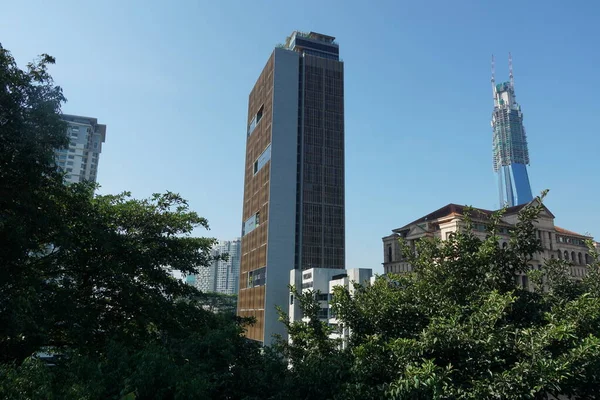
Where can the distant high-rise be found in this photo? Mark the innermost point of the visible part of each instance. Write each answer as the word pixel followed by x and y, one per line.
pixel 227 278
pixel 221 276
pixel 293 212
pixel 511 155
pixel 80 159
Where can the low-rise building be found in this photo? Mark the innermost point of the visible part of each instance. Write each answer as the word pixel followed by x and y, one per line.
pixel 363 277
pixel 557 242
pixel 322 281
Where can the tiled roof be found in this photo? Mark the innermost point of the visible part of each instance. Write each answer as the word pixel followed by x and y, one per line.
pixel 450 209
pixel 455 209
pixel 567 232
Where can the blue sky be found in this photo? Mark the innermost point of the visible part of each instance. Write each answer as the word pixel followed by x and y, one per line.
pixel 172 84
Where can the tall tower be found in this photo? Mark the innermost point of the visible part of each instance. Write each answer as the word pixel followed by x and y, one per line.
pixel 222 275
pixel 80 159
pixel 511 155
pixel 227 271
pixel 293 212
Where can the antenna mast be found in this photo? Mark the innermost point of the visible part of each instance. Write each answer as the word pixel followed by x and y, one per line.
pixel 510 71
pixel 493 79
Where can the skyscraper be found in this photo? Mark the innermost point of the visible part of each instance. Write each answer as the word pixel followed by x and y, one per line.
pixel 80 159
pixel 511 155
pixel 221 276
pixel 227 271
pixel 293 211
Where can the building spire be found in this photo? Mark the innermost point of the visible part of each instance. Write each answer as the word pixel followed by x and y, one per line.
pixel 510 71
pixel 493 79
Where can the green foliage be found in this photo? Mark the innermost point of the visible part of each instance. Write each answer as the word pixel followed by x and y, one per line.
pixel 88 278
pixel 30 131
pixel 316 367
pixel 459 328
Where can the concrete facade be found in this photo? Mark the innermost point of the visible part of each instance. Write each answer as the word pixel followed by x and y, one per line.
pixel 322 282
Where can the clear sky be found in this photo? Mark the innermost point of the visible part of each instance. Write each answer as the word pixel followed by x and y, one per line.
pixel 171 82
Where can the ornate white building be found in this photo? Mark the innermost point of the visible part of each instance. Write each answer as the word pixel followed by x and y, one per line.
pixel 557 242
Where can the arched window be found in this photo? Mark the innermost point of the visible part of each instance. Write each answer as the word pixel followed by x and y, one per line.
pixel 389 253
pixel 566 255
pixel 559 254
pixel 580 258
pixel 587 258
pixel 573 256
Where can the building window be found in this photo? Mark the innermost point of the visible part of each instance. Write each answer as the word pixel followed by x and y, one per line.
pixel 69 162
pixel 389 253
pixel 587 258
pixel 307 275
pixel 255 120
pixel 291 299
pixel 262 159
pixel 525 281
pixel 580 258
pixel 71 157
pixel 573 256
pixel 566 255
pixel 323 313
pixel 258 277
pixel 250 224
pixel 322 297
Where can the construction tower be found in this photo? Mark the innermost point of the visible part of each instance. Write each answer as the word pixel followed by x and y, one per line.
pixel 511 156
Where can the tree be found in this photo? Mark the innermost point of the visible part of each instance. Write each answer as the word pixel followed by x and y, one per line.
pixel 30 131
pixel 317 369
pixel 459 328
pixel 88 277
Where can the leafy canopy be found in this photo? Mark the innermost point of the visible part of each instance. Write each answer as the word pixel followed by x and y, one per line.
pixel 88 279
pixel 458 327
